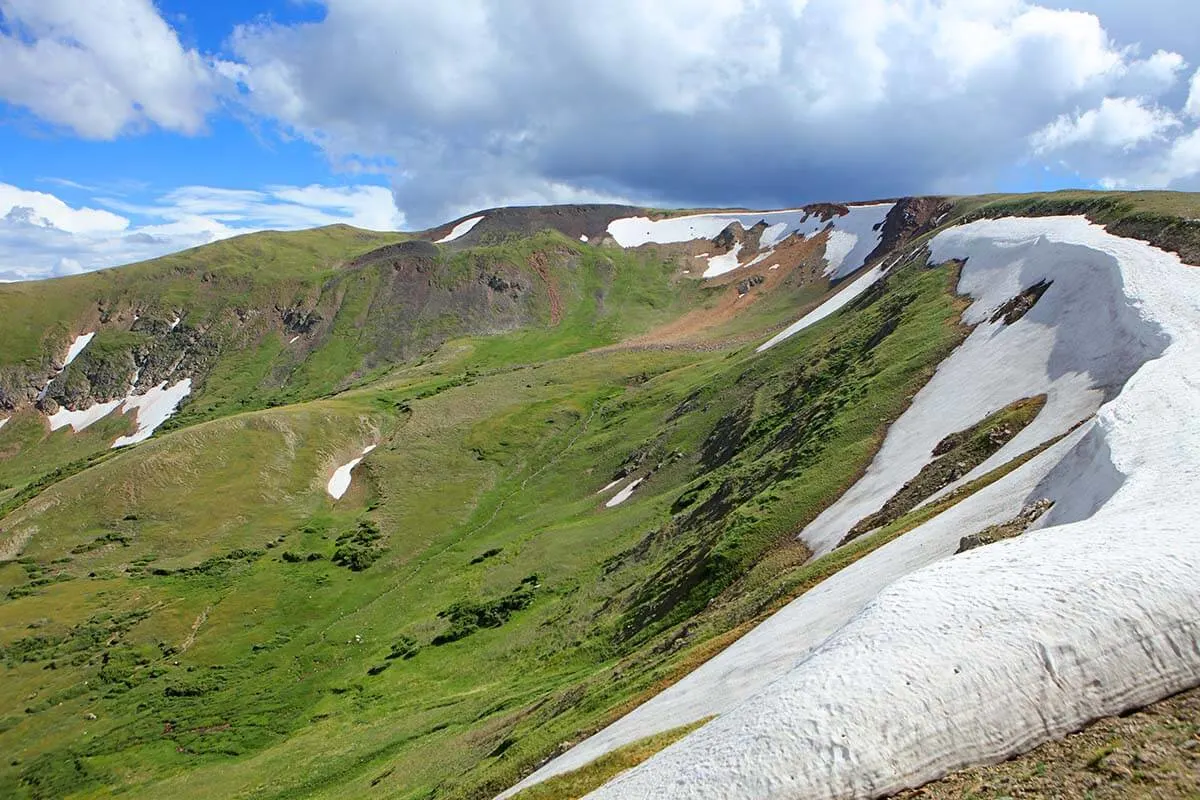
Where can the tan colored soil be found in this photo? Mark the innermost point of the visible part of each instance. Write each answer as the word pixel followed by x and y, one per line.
pixel 1152 753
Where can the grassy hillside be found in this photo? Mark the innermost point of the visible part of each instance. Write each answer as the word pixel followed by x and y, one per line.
pixel 196 617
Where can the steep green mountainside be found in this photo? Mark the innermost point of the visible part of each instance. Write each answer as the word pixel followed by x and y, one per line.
pixel 195 616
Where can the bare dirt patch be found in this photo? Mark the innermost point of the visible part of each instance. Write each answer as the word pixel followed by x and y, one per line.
pixel 796 260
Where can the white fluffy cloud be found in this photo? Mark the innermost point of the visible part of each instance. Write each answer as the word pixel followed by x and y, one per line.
pixel 44 210
pixel 1192 107
pixel 759 102
pixel 1117 123
pixel 41 236
pixel 733 101
pixel 101 69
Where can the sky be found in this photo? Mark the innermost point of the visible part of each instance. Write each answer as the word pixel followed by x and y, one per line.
pixel 133 128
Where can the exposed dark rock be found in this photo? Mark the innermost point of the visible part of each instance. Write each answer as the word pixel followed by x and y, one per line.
pixel 1019 306
pixel 1006 530
pixel 908 219
pixel 728 238
pixel 572 221
pixel 411 252
pixel 825 211
pixel 749 283
pixel 299 320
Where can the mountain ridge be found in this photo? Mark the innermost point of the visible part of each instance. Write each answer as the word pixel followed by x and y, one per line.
pixel 565 506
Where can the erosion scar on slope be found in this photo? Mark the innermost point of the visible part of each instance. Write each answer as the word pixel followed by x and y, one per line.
pixel 538 262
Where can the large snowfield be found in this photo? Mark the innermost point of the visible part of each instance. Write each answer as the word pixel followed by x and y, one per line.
pixel 914 661
pixel 851 239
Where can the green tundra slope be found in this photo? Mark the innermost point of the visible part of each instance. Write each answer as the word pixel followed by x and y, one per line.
pixel 195 616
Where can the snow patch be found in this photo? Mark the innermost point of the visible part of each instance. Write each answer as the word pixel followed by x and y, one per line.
pixel 728 262
pixel 340 482
pixel 153 408
pixel 623 495
pixel 460 230
pixel 583 238
pixel 838 248
pixel 175 322
pixel 828 308
pixel 77 346
pixel 79 420
pixel 293 340
pixel 607 488
pixel 3 422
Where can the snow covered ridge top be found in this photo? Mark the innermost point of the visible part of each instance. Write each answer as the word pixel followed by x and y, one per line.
pixel 980 656
pixel 853 236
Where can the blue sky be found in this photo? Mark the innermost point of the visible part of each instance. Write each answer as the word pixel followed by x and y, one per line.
pixel 162 125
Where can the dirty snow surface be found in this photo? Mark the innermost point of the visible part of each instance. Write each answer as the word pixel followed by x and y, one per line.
pixel 851 239
pixel 460 230
pixel 153 408
pixel 340 482
pixel 911 663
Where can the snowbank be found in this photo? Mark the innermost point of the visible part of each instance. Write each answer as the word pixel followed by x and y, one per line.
pixel 460 230
pixel 340 481
pixel 859 688
pixel 153 408
pixel 623 495
pixel 1078 344
pixel 77 346
pixel 79 420
pixel 852 239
